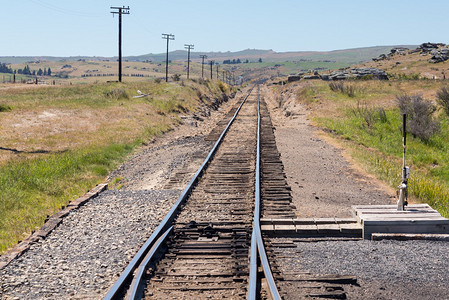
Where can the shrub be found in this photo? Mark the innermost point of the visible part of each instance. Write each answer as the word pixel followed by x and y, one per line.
pixel 222 87
pixel 422 123
pixel 202 81
pixel 349 90
pixel 367 77
pixel 157 80
pixel 176 77
pixel 337 86
pixel 117 94
pixel 443 99
pixel 4 107
pixel 382 115
pixel 369 114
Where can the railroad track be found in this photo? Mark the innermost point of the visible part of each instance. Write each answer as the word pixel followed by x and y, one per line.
pixel 209 245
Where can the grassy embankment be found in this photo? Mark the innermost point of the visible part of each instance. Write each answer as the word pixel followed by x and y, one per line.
pixel 62 141
pixel 377 144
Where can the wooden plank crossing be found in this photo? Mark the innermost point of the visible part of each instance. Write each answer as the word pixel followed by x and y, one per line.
pixel 313 227
pixel 416 218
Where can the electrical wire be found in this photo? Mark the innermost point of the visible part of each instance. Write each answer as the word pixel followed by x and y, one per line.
pixel 63 10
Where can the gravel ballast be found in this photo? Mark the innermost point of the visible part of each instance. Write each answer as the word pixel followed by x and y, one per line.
pixel 89 249
pixel 384 269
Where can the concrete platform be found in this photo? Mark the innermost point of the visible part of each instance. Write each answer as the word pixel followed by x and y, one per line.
pixel 416 219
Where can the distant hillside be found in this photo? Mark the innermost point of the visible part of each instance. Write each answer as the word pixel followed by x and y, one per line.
pixel 349 56
pixel 31 59
pixel 181 55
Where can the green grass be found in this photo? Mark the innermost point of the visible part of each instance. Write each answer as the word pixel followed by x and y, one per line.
pixel 379 146
pixel 31 189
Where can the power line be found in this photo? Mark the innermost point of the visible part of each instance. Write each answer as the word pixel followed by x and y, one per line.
pixel 188 47
pixel 202 65
pixel 168 37
pixel 120 11
pixel 63 10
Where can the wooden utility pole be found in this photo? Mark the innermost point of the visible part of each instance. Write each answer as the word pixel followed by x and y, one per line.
pixel 188 47
pixel 211 69
pixel 120 11
pixel 167 37
pixel 202 65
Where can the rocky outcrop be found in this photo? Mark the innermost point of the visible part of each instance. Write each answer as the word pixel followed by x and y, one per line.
pixel 393 51
pixel 439 55
pixel 342 74
pixel 358 73
pixel 429 47
pixel 293 78
pixel 314 76
pixel 398 50
pixel 380 57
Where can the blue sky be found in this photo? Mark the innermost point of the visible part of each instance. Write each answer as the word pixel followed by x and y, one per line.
pixel 70 28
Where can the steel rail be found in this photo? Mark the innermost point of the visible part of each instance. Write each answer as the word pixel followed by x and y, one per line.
pixel 168 219
pixel 256 238
pixel 135 285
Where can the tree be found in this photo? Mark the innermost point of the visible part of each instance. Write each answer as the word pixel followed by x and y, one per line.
pixel 260 60
pixel 49 71
pixel 5 69
pixel 39 72
pixel 45 71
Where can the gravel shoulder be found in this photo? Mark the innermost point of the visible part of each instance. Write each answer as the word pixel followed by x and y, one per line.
pixel 86 253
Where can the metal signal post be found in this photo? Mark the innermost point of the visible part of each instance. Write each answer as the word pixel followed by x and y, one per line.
pixel 403 187
pixel 202 65
pixel 120 11
pixel 167 37
pixel 188 47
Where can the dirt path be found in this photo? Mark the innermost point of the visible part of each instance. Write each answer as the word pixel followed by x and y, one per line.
pixel 323 182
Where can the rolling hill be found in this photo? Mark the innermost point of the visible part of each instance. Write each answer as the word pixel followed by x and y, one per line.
pixel 350 56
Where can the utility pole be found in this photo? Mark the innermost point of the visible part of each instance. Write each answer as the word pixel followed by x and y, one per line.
pixel 167 37
pixel 202 65
pixel 218 77
pixel 211 69
pixel 188 47
pixel 120 11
